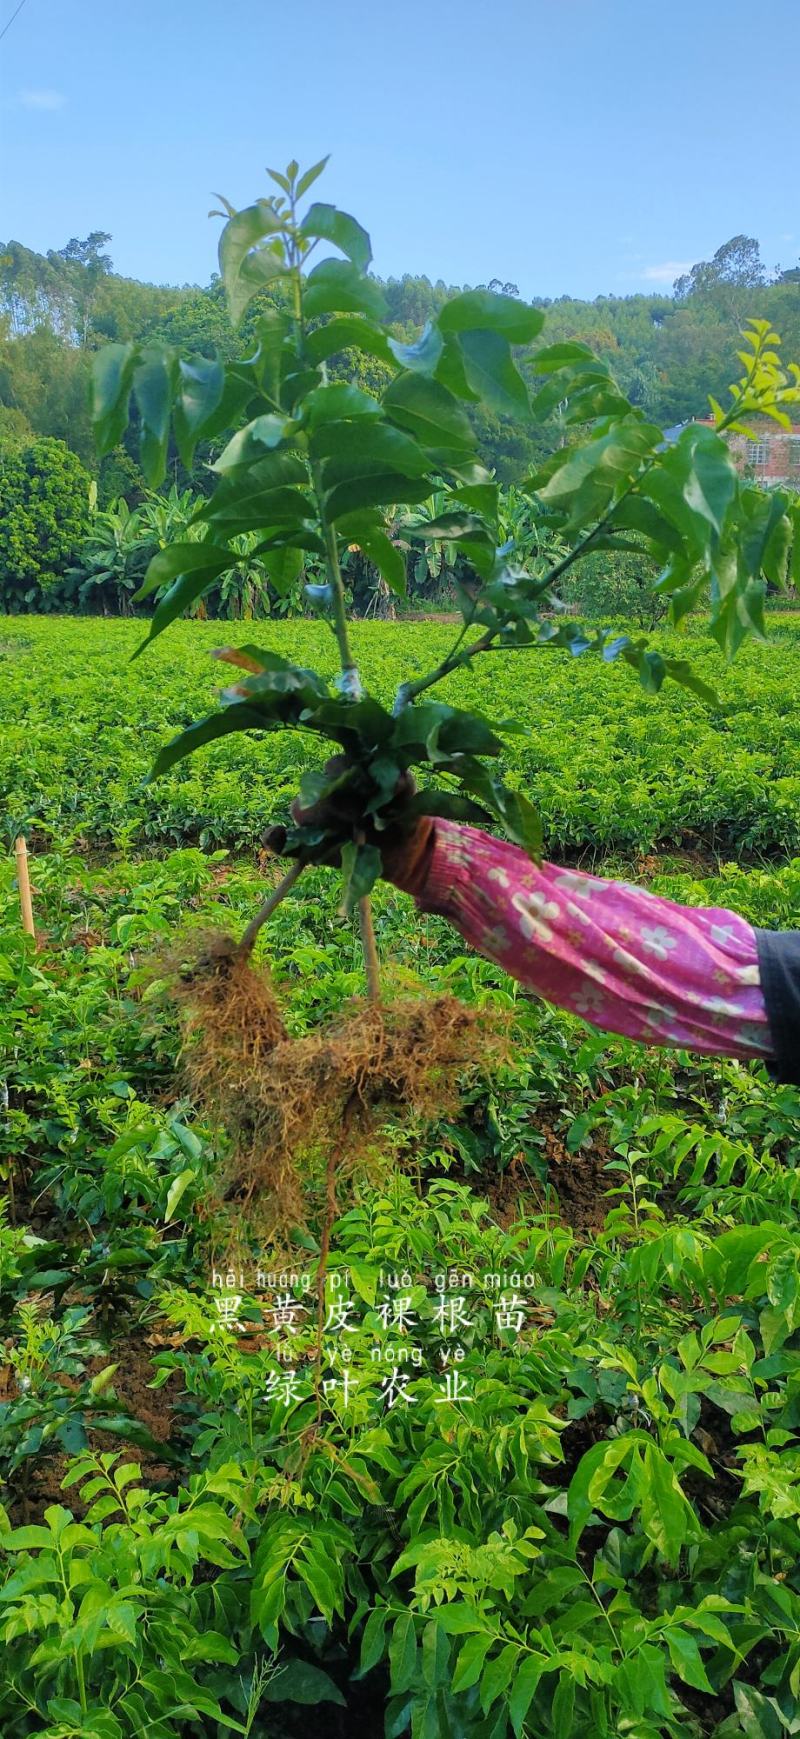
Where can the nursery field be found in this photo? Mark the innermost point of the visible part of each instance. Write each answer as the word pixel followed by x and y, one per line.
pixel 608 766
pixel 531 1466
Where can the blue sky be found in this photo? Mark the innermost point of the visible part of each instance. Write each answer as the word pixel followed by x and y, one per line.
pixel 573 146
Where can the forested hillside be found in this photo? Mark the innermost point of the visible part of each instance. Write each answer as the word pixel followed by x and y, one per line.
pixel 667 351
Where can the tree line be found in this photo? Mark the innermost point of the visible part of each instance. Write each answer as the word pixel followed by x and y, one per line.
pixel 668 353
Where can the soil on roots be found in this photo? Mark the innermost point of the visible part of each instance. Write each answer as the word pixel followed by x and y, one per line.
pixel 283 1100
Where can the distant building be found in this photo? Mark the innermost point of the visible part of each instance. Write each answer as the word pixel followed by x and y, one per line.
pixel 772 458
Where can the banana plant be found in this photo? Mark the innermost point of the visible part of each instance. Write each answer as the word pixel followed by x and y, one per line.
pixel 433 562
pixel 312 464
pixel 114 557
pixel 525 526
pixel 242 590
pixel 169 516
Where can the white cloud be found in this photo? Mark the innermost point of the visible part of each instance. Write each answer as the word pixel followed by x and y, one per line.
pixel 667 272
pixel 42 99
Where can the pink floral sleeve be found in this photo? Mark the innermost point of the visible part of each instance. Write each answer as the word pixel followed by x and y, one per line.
pixel 624 959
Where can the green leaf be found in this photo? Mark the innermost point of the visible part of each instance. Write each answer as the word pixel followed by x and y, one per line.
pixel 295 387
pixel 284 566
pixel 403 1653
pixel 454 526
pixel 378 549
pixel 350 332
pixel 202 384
pixel 758 1714
pixel 764 540
pixel 399 1712
pixel 168 1688
pixel 651 667
pixel 681 672
pixel 491 373
pixel 710 485
pixel 259 270
pixel 593 472
pixel 428 411
pixel 693 484
pixel 458 1619
pixel 339 400
pixel 176 559
pixel 363 447
pixel 449 804
pixel 794 564
pixel 273 355
pixel 27 1539
pixel 337 287
pixel 307 180
pixel 289 539
pixel 41 1572
pixel 154 383
pixel 450 370
pixel 634 513
pixel 365 721
pixel 314 1573
pixel 483 497
pixel 111 381
pixel 441 731
pixel 283 691
pixel 361 867
pixel 564 1707
pixel 383 489
pixel 435 1659
pixel 685 599
pixel 471 1659
pixel 601 1460
pixel 666 1516
pixel 523 1691
pixel 332 225
pixel 423 356
pixel 221 724
pixel 521 820
pixel 210 1646
pixel 686 1659
pixel 737 613
pixel 195 579
pixel 177 1190
pixel 483 310
pixel 255 502
pixel 373 1643
pixel 243 273
pixel 300 1681
pixel 777 546
pixel 249 444
pixel 581 393
pixel 497 1675
pixel 101 1379
pixel 557 356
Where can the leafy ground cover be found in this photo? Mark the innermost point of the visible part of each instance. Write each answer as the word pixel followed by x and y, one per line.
pixel 607 766
pixel 554 1488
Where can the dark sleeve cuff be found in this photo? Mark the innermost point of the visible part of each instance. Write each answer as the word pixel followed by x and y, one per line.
pixel 779 968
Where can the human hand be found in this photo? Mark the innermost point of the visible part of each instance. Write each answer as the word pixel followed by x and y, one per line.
pixel 403 839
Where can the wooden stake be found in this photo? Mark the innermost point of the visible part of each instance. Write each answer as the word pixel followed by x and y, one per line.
pixel 24 885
